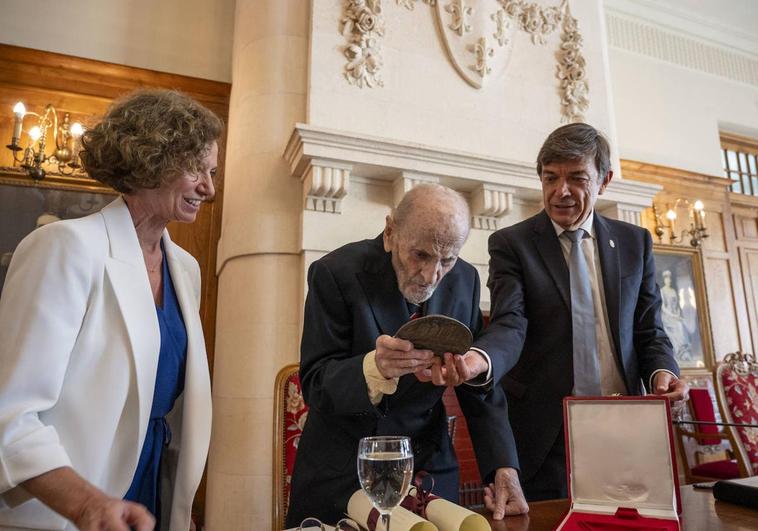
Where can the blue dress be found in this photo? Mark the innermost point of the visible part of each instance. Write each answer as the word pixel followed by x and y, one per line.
pixel 169 384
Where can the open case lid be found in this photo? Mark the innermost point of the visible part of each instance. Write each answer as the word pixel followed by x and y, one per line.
pixel 620 453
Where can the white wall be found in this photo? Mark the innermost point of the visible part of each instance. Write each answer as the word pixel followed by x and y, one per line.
pixel 680 71
pixel 671 115
pixel 188 37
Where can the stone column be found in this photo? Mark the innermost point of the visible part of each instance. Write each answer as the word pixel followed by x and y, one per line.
pixel 259 258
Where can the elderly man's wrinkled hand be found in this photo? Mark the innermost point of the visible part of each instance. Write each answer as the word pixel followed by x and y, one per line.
pixel 453 370
pixel 504 497
pixel 396 357
pixel 102 513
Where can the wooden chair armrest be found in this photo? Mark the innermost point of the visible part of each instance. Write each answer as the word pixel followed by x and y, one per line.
pixel 700 435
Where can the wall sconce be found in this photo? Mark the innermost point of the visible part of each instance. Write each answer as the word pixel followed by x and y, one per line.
pixel 697 230
pixel 66 142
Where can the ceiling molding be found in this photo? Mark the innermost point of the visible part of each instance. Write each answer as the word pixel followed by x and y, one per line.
pixel 685 22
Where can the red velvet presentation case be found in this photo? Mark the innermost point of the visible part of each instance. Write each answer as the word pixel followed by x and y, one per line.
pixel 621 465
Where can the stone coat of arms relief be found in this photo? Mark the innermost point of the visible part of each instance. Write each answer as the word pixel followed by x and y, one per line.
pixel 478 37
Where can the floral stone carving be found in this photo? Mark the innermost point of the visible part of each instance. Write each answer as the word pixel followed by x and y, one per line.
pixel 572 71
pixel 534 19
pixel 363 26
pixel 466 26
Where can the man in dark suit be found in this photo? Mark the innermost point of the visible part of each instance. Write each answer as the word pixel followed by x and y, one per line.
pixel 575 309
pixel 360 381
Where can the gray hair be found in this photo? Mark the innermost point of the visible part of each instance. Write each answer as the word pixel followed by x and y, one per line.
pixel 576 142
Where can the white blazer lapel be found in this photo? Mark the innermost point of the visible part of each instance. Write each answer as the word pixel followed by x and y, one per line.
pixel 196 414
pixel 127 274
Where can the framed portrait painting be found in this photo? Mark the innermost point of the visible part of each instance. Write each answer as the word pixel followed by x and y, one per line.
pixel 26 204
pixel 684 309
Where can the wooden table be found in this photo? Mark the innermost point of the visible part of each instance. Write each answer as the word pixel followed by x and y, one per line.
pixel 700 513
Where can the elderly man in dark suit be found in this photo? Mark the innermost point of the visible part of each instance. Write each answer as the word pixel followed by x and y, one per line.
pixel 575 308
pixel 358 380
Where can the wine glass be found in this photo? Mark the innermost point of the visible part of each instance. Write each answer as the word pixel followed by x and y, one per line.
pixel 385 467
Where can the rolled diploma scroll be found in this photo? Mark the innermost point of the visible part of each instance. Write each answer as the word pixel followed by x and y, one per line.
pixel 448 516
pixel 359 509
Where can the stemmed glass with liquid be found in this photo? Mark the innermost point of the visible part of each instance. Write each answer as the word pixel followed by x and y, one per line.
pixel 385 468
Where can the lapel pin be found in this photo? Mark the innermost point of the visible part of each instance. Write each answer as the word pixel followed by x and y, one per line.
pixel 613 245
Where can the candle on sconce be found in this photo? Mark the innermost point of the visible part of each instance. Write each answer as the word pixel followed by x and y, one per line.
pixel 29 152
pixel 76 134
pixel 699 214
pixel 18 120
pixel 18 114
pixel 28 143
pixel 34 134
pixel 77 130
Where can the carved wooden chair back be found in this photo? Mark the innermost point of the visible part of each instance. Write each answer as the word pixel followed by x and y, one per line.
pixel 705 450
pixel 737 386
pixel 290 413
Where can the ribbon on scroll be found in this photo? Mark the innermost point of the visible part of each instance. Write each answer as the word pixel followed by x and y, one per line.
pixel 420 510
pixel 359 508
pixel 446 516
pixel 418 498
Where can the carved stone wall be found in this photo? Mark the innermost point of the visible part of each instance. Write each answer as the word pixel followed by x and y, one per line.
pixel 386 72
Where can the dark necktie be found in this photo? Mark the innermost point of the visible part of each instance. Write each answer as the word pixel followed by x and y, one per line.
pixel 414 310
pixel 586 363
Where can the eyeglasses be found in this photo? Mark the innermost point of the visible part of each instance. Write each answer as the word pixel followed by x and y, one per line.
pixel 314 524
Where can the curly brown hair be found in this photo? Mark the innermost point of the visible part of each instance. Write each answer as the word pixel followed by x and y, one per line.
pixel 148 138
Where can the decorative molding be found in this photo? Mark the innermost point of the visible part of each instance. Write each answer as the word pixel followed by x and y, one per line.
pixel 406 180
pixel 703 185
pixel 630 215
pixel 742 200
pixel 572 71
pixel 742 363
pixel 502 25
pixel 465 28
pixel 381 159
pixel 363 26
pixel 459 12
pixel 627 200
pixel 410 5
pixel 325 185
pixel 625 212
pixel 488 203
pixel 536 20
pixel 482 53
pixel 646 38
pixel 682 19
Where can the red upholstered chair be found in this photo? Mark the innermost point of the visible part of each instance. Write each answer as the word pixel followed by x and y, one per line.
pixel 290 413
pixel 706 451
pixel 737 385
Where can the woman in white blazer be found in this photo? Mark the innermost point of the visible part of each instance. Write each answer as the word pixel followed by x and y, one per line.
pixel 103 369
